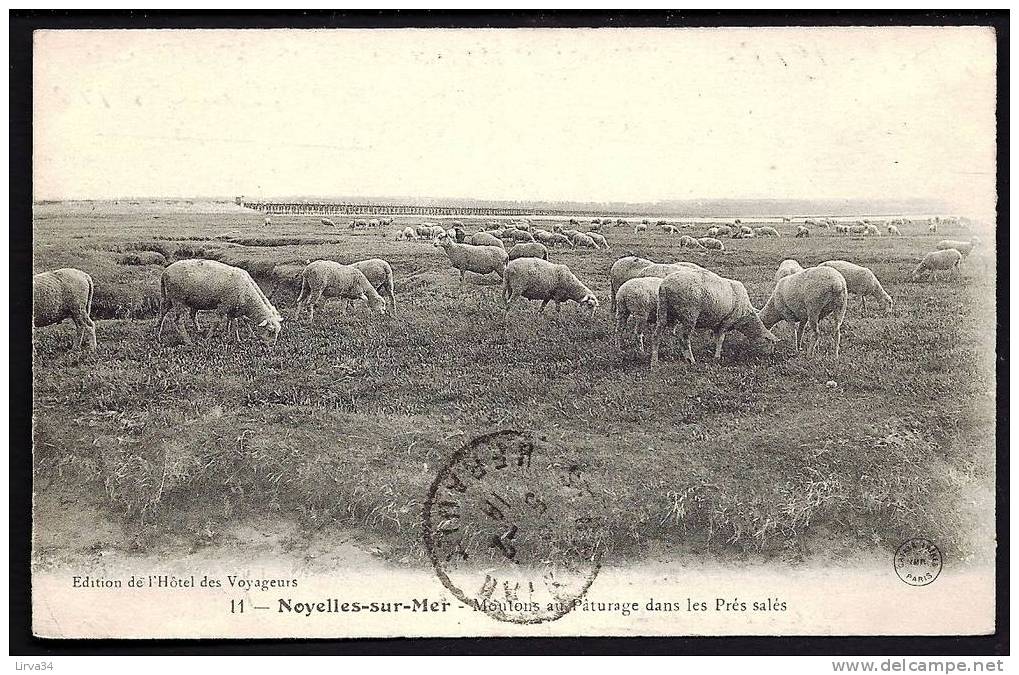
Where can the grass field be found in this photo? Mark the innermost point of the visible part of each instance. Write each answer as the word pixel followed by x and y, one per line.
pixel 346 423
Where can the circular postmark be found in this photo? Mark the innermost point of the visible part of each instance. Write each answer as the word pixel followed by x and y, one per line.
pixel 513 530
pixel 918 562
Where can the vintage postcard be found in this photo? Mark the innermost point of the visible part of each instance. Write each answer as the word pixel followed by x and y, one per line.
pixel 514 332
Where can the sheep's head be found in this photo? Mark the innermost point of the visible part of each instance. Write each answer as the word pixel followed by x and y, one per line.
pixel 268 331
pixel 886 302
pixel 590 300
pixel 441 240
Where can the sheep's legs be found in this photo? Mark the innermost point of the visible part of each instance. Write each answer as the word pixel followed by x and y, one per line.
pixel 798 329
pixel 812 349
pixel 863 305
pixel 719 338
pixel 182 328
pixel 687 347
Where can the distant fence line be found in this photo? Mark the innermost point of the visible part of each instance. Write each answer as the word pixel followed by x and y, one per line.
pixel 342 208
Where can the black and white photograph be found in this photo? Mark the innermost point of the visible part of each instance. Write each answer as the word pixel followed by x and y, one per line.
pixel 514 331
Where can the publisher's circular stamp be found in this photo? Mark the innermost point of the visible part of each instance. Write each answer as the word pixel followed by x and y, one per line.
pixel 513 529
pixel 918 562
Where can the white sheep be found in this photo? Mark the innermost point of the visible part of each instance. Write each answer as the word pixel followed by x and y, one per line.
pixel 698 299
pixel 722 231
pixel 894 231
pixel 582 240
pixel 328 223
pixel 802 231
pixel 640 227
pixel 632 267
pixel 485 239
pixel 517 234
pixel 787 267
pixel 711 243
pixel 712 232
pixel 862 281
pixel 933 228
pixel 477 259
pixel 379 274
pixel 963 247
pixel 528 249
pixel 766 232
pixel 64 294
pixel 536 279
pixel 686 241
pixel 938 261
pixel 871 230
pixel 599 240
pixel 636 299
pixel 197 284
pixel 805 299
pixel 323 279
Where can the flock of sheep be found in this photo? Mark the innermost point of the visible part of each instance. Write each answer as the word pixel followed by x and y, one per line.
pixel 652 297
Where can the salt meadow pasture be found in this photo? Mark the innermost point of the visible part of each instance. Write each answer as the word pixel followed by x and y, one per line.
pixel 343 426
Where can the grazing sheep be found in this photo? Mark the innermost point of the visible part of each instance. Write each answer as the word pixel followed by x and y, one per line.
pixel 379 274
pixel 787 267
pixel 599 240
pixel 530 249
pixel 933 228
pixel 894 231
pixel 423 231
pixel 805 299
pixel 745 232
pixel 471 258
pixel 436 232
pixel 485 239
pixel 571 233
pixel 670 229
pixel 559 239
pixel 594 227
pixel 632 267
pixel 636 299
pixel 328 223
pixel 581 240
pixel 198 284
pixel 268 221
pixel 544 237
pixel 802 232
pixel 963 247
pixel 64 294
pixel 723 231
pixel 640 227
pixel 517 235
pixel 712 232
pixel 406 234
pixel 711 243
pixel 862 281
pixel 323 279
pixel 766 232
pixel 536 279
pixel 686 241
pixel 696 298
pixel 858 229
pixel 871 230
pixel 938 261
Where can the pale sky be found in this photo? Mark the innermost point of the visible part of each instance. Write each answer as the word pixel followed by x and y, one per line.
pixel 572 114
